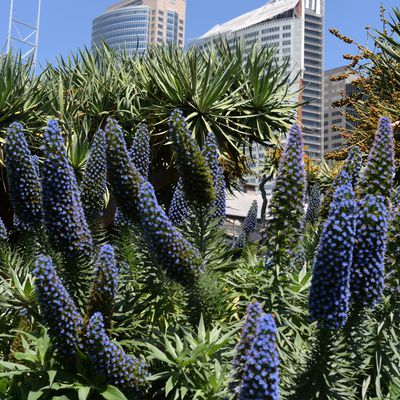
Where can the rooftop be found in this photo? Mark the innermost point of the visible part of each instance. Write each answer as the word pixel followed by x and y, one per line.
pixel 270 10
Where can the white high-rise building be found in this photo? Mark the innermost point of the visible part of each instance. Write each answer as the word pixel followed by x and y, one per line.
pixel 296 29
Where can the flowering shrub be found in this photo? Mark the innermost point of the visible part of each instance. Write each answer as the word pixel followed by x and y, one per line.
pixel 179 258
pixel 330 289
pixel 250 222
pixel 94 182
pixel 379 172
pixel 64 217
pixel 211 155
pixel 58 309
pixel 261 370
pixel 3 230
pixel 23 178
pixel 286 217
pixel 123 175
pixel 179 208
pixel 192 167
pixel 120 369
pixel 105 285
pixel 140 150
pixel 314 203
pixel 368 271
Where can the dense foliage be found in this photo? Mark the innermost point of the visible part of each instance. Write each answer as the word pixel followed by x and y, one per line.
pixel 153 308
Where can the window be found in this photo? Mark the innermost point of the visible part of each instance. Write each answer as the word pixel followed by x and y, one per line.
pixel 272 29
pixel 286 43
pixel 286 27
pixel 287 34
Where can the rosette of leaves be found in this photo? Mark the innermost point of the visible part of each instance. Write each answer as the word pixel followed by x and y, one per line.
pixel 196 176
pixel 64 217
pixel 94 183
pixel 23 178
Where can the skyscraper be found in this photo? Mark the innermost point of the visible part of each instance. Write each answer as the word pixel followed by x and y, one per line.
pixel 336 117
pixel 295 28
pixel 134 24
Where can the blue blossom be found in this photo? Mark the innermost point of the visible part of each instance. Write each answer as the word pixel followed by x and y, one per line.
pixel 179 209
pixel 330 288
pixel 249 330
pixel 240 242
pixel 314 203
pixel 57 308
pixel 140 150
pixel 368 272
pixel 250 222
pixel 379 172
pixel 3 230
pixel 119 368
pixel 351 168
pixel 124 178
pixel 261 370
pixel 65 221
pixel 23 178
pixel 285 225
pixel 105 285
pixel 94 183
pixel 218 206
pixel 176 255
pixel 120 220
pixel 191 164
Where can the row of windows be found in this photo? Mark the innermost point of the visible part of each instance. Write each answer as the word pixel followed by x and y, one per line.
pixel 312 25
pixel 251 34
pixel 337 121
pixel 313 40
pixel 314 70
pixel 106 20
pixel 287 34
pixel 314 146
pixel 313 18
pixel 272 29
pixel 311 115
pixel 312 107
pixel 286 43
pixel 312 47
pixel 122 33
pixel 312 78
pixel 310 92
pixel 113 28
pixel 308 138
pixel 309 32
pixel 286 27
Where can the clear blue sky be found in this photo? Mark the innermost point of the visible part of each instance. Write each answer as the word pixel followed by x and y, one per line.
pixel 66 25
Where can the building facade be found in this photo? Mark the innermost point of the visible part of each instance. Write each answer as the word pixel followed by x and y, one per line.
pixel 132 25
pixel 295 28
pixel 334 117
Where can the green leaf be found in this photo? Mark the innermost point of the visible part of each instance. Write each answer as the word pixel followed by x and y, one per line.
pixel 113 393
pixel 83 392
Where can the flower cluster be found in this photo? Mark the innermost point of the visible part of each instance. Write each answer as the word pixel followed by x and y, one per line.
pixel 64 217
pixel 251 322
pixel 3 230
pixel 250 222
pixel 179 208
pixel 123 175
pixel 367 273
pixel 352 167
pixel 105 285
pixel 58 309
pixel 191 164
pixel 119 368
pixel 140 150
pixel 261 370
pixel 240 241
pixel 286 223
pixel 218 206
pixel 94 183
pixel 379 172
pixel 314 203
pixel 180 259
pixel 330 289
pixel 23 178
